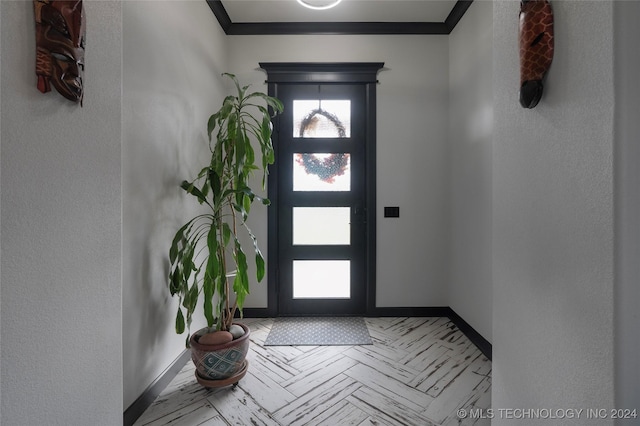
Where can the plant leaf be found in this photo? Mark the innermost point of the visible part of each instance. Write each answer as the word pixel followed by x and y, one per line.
pixel 227 107
pixel 208 290
pixel 193 298
pixel 226 232
pixel 211 274
pixel 216 184
pixel 191 189
pixel 265 129
pixel 211 124
pixel 260 269
pixel 241 281
pixel 178 238
pixel 179 322
pixel 247 200
pixel 174 282
pixel 274 103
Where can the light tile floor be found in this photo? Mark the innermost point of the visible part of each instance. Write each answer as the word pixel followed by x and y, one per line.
pixel 418 372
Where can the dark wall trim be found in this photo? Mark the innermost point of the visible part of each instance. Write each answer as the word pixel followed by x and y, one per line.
pixel 341 28
pixel 337 28
pixel 433 311
pixel 370 190
pixel 258 313
pixel 322 72
pixel 457 13
pixel 221 14
pixel 145 400
pixel 476 338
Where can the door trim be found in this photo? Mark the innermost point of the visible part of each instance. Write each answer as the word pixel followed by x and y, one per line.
pixel 365 73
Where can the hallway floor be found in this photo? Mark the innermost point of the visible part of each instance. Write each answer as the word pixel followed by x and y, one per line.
pixel 419 371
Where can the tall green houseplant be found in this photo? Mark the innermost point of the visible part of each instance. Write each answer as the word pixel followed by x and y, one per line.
pixel 206 255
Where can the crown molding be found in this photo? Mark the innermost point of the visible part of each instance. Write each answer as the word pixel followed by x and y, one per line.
pixel 337 28
pixel 322 72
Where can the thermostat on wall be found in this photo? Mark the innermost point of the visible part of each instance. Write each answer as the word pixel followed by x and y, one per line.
pixel 392 212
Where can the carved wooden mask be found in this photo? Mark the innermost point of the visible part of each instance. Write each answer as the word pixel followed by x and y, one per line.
pixel 536 49
pixel 60 40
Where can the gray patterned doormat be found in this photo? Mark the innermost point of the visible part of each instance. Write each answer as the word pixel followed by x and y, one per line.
pixel 318 331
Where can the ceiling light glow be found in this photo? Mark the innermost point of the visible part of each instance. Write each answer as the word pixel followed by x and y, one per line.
pixel 319 4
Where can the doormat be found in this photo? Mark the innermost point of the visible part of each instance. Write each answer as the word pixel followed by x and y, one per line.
pixel 318 331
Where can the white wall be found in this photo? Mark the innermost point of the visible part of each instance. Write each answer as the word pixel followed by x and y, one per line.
pixel 61 231
pixel 67 172
pixel 627 159
pixel 0 213
pixel 173 55
pixel 470 141
pixel 412 168
pixel 553 222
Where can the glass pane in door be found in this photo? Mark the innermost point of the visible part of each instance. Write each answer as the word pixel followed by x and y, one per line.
pixel 321 172
pixel 321 279
pixel 321 225
pixel 324 118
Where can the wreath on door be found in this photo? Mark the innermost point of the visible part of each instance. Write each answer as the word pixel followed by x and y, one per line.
pixel 329 167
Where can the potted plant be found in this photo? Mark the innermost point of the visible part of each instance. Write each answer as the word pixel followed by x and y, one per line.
pixel 208 263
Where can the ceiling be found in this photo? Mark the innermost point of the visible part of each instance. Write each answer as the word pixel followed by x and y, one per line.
pixel 260 17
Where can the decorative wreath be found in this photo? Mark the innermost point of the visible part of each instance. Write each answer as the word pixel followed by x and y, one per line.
pixel 326 169
pixel 332 166
pixel 311 120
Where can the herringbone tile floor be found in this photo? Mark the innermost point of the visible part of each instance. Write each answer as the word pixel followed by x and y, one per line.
pixel 418 372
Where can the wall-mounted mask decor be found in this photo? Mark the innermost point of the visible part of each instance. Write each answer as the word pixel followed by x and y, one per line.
pixel 536 48
pixel 60 41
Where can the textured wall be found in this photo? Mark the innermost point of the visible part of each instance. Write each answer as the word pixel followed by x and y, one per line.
pixel 553 223
pixel 470 141
pixel 627 159
pixel 61 231
pixel 412 169
pixel 0 210
pixel 173 55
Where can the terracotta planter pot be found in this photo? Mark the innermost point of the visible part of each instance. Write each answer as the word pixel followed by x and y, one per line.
pixel 220 362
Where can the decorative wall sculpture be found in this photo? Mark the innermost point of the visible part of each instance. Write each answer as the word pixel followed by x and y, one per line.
pixel 60 42
pixel 536 48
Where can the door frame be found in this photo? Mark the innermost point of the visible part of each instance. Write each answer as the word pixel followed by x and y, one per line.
pixel 365 73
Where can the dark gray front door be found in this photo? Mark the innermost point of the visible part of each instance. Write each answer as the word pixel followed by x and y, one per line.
pixel 322 188
pixel 322 199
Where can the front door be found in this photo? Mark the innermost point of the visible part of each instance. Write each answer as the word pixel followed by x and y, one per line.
pixel 322 221
pixel 321 200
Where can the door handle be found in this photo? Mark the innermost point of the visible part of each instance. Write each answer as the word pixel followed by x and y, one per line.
pixel 359 215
